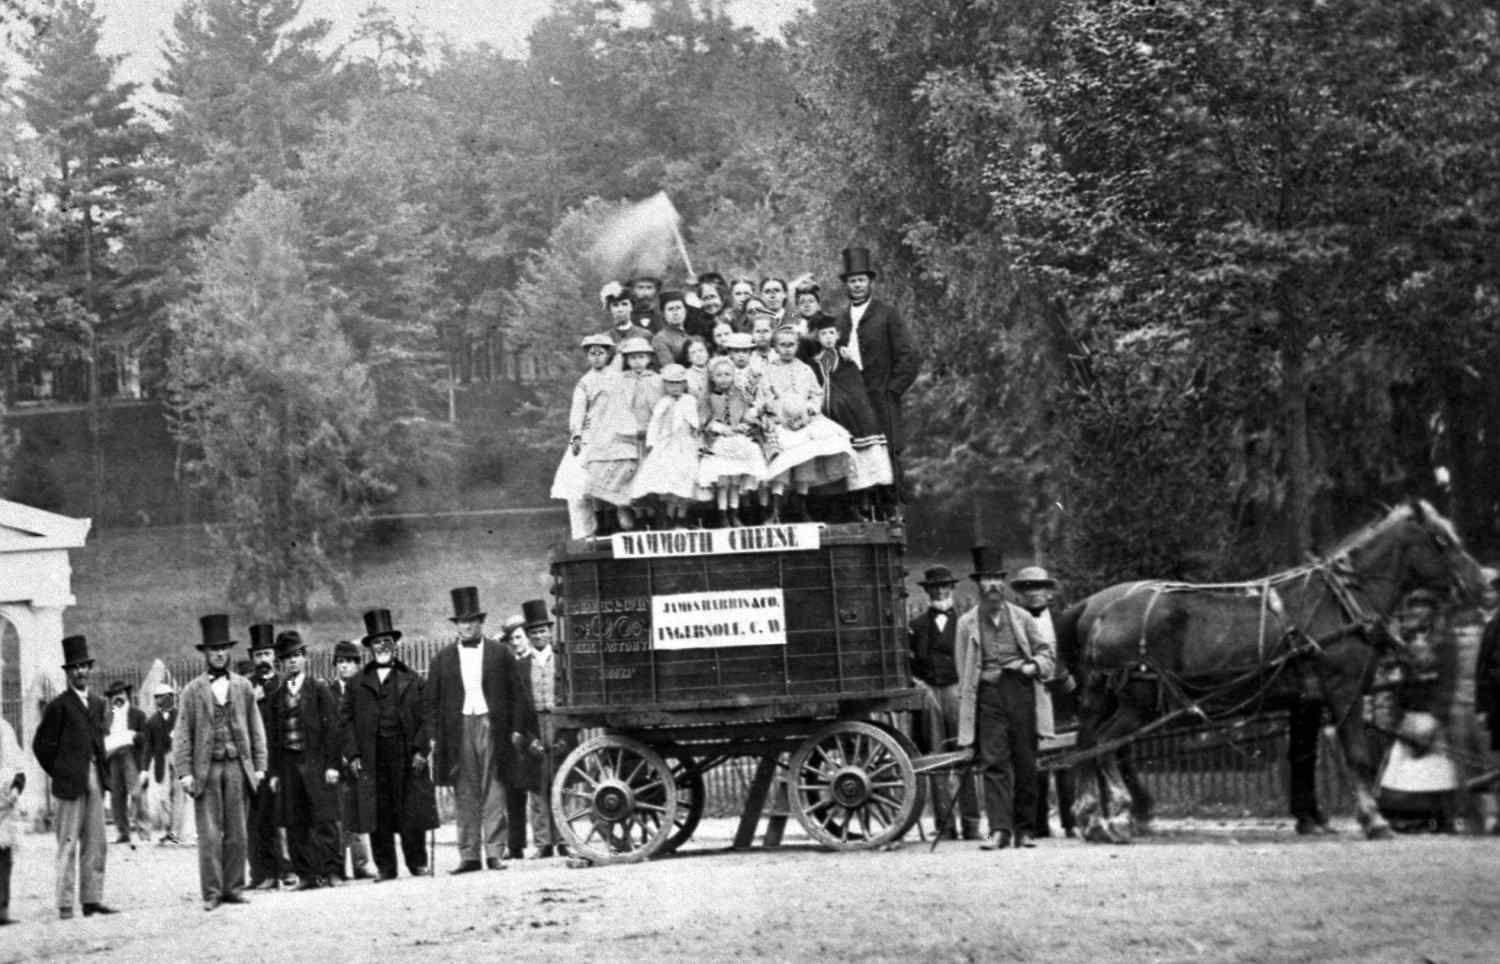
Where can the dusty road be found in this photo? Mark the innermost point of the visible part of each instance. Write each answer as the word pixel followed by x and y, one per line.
pixel 1251 893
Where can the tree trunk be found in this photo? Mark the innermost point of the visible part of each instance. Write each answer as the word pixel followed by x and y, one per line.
pixel 1298 450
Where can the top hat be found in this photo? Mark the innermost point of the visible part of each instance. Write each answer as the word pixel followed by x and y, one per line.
pixel 465 604
pixel 344 649
pixel 215 631
pixel 984 568
pixel 289 643
pixel 534 611
pixel 76 652
pixel 117 687
pixel 1032 576
pixel 938 576
pixel 857 261
pixel 378 623
pixel 262 636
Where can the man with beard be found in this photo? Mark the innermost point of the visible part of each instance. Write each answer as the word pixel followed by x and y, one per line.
pixel 125 752
pixel 932 636
pixel 475 699
pixel 219 745
pixel 1000 653
pixel 386 742
pixel 873 336
pixel 162 767
pixel 69 744
pixel 1055 698
pixel 269 866
pixel 304 749
pixel 346 660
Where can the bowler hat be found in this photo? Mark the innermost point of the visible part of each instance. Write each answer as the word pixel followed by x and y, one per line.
pixel 289 643
pixel 378 623
pixel 215 629
pixel 344 649
pixel 857 261
pixel 534 611
pixel 116 688
pixel 1032 576
pixel 465 604
pixel 262 636
pixel 938 576
pixel 984 567
pixel 76 652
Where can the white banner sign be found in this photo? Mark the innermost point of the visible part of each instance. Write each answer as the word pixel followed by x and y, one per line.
pixel 704 620
pixel 711 542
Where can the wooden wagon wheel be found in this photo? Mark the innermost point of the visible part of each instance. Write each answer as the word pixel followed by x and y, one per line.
pixel 691 797
pixel 614 800
pixel 911 751
pixel 853 786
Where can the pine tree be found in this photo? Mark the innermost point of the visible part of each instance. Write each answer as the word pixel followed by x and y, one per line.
pixel 283 416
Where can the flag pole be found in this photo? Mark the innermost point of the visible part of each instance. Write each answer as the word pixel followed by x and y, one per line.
pixel 682 250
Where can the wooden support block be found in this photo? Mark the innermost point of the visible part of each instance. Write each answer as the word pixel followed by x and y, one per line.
pixel 755 802
pixel 781 808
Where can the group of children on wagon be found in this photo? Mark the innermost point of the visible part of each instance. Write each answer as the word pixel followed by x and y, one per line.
pixel 755 417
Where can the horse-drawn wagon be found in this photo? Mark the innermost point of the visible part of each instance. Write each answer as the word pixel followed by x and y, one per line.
pixel 685 649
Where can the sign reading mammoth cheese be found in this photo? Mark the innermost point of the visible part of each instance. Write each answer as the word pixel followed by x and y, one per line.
pixel 707 620
pixel 712 542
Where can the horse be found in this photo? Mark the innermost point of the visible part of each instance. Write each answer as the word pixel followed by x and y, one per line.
pixel 1307 639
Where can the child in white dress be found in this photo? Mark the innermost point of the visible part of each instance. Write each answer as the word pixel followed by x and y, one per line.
pixel 617 429
pixel 804 447
pixel 571 481
pixel 669 469
pixel 732 462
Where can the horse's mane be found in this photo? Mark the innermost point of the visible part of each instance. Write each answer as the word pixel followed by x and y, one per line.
pixel 1420 509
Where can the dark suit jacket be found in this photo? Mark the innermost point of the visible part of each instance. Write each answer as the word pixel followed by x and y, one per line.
pixel 359 719
pixel 159 742
pixel 889 361
pixel 507 693
pixel 68 741
pixel 322 749
pixel 932 651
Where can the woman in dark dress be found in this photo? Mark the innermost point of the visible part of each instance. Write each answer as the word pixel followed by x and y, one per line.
pixel 846 402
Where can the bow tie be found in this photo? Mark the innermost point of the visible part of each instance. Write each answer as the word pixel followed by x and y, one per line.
pixel 216 674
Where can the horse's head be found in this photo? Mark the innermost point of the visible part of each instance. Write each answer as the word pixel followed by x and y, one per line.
pixel 1412 547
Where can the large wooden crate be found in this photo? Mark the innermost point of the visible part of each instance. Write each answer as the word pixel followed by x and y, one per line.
pixel 703 629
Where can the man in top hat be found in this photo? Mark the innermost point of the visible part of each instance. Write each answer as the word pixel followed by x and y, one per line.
pixel 873 336
pixel 346 662
pixel 219 747
pixel 69 744
pixel 270 866
pixel 931 636
pixel 1000 653
pixel 1056 699
pixel 304 747
pixel 162 768
pixel 540 669
pixel 125 758
pixel 386 744
pixel 476 698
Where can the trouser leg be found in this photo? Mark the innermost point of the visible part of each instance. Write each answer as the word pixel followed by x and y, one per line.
pixel 93 844
pixel 383 852
pixel 414 850
pixel 209 808
pixel 67 816
pixel 1020 706
pixel 1065 798
pixel 5 865
pixel 1302 757
pixel 515 820
pixel 538 809
pixel 478 795
pixel 947 723
pixel 993 757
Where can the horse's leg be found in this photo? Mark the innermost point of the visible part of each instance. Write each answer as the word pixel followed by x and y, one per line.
pixel 1362 765
pixel 1142 804
pixel 1093 705
pixel 1132 710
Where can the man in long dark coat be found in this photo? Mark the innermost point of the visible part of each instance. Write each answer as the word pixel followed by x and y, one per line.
pixel 305 754
pixel 873 336
pixel 69 744
pixel 269 866
pixel 387 744
pixel 346 662
pixel 476 699
pixel 932 636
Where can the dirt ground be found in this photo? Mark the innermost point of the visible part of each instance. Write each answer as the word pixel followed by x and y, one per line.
pixel 1251 892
